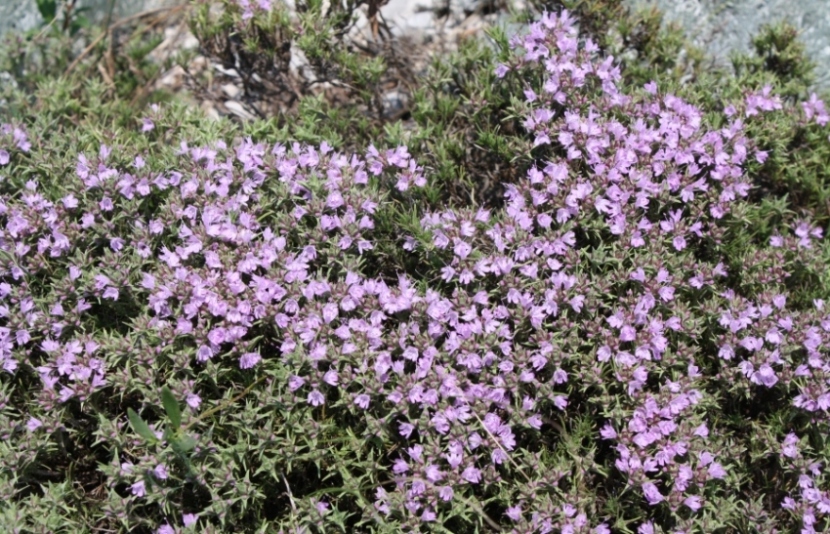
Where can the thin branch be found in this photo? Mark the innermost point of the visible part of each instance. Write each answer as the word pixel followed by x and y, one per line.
pixel 290 495
pixel 496 441
pixel 117 24
pixel 225 404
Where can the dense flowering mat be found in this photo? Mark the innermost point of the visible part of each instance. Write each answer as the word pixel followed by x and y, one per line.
pixel 596 303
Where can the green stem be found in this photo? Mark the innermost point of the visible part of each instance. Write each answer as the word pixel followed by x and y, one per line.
pixel 224 404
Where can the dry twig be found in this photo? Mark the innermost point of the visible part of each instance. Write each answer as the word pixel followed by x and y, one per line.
pixel 118 23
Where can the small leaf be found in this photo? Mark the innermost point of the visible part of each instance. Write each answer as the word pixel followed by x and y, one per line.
pixel 140 427
pixel 48 9
pixel 78 23
pixel 183 444
pixel 171 406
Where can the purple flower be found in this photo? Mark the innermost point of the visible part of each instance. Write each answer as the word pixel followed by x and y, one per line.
pixel 433 473
pixel 534 421
pixel 608 432
pixel 189 519
pixel 160 472
pixel 399 466
pixel 362 400
pixel 193 400
pixel 295 382
pixel 716 470
pixel 138 489
pixel 765 375
pixel 33 424
pixel 334 200
pixel 428 515
pixel 628 333
pixel 445 493
pixel 693 502
pixel 498 456
pixel 462 249
pixel 790 446
pixel 322 507
pixel 315 398
pixel 514 512
pixel 248 360
pixel 406 429
pixel 652 494
pixel 471 475
pixel 204 353
pixel 331 378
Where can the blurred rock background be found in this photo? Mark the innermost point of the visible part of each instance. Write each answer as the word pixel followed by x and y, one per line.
pixel 24 15
pixel 723 26
pixel 720 26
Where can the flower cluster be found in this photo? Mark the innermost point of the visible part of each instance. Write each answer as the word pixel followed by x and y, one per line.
pixel 12 138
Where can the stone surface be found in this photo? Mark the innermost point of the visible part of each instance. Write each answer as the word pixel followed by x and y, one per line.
pixel 722 26
pixel 407 16
pixel 231 90
pixel 23 14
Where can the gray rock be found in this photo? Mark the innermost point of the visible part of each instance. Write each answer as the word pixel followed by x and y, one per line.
pixel 723 26
pixel 23 15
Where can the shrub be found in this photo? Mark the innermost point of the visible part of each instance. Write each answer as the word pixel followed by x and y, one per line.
pixel 207 333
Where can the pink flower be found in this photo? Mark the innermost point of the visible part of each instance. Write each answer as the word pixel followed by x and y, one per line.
pixel 433 473
pixel 138 489
pixel 716 470
pixel 652 494
pixel 160 472
pixel 693 502
pixel 406 429
pixel 471 475
pixel 514 512
pixel 193 400
pixel 362 401
pixel 790 446
pixel 445 493
pixel 248 360
pixel 33 424
pixel 315 398
pixel 765 375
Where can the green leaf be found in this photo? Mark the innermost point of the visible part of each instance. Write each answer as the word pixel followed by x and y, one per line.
pixel 79 22
pixel 48 9
pixel 171 406
pixel 183 443
pixel 140 427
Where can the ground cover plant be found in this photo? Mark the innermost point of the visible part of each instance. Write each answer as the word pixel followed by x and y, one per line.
pixel 204 331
